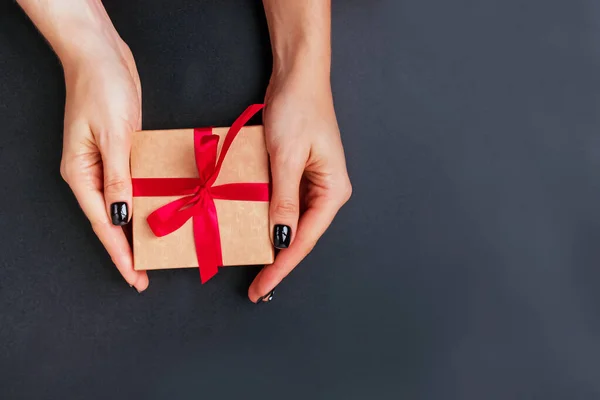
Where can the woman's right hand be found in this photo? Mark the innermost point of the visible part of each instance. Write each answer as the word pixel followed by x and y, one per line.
pixel 103 109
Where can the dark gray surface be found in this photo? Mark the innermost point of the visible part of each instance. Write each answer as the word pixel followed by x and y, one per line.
pixel 466 265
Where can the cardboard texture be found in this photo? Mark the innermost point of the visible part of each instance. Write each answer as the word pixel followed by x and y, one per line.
pixel 243 225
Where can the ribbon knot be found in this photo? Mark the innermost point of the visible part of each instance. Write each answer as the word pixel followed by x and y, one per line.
pixel 202 191
pixel 199 195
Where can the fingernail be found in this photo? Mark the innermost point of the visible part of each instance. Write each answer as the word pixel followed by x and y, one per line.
pixel 266 298
pixel 282 234
pixel 119 213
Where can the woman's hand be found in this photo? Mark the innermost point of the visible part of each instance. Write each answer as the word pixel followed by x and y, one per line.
pixel 310 181
pixel 103 109
pixel 308 167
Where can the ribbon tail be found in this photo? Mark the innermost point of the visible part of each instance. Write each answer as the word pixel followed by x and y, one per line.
pixel 205 149
pixel 234 129
pixel 207 240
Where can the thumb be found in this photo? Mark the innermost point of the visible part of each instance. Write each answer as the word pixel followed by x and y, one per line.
pixel 117 182
pixel 285 200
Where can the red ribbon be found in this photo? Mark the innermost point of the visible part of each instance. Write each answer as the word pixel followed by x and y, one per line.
pixel 200 194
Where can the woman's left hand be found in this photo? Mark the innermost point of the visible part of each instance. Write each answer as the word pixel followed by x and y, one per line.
pixel 308 167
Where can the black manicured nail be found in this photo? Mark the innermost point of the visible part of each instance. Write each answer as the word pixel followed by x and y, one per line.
pixel 282 234
pixel 119 213
pixel 266 298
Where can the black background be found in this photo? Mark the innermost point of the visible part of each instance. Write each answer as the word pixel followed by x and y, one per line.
pixel 465 266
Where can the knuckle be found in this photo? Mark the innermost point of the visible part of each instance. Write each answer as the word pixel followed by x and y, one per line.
pixel 308 245
pixel 68 171
pixel 115 135
pixel 63 171
pixel 283 167
pixel 115 185
pixel 346 192
pixel 277 146
pixel 285 207
pixel 311 246
pixel 287 154
pixel 98 225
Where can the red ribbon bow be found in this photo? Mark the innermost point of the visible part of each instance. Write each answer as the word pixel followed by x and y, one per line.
pixel 200 194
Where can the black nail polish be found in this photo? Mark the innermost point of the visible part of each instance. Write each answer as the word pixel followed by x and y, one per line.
pixel 119 213
pixel 282 234
pixel 266 298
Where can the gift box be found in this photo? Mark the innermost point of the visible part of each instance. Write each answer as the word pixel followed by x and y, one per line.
pixel 201 198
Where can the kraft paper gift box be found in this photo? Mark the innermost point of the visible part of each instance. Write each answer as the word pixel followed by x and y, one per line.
pixel 167 173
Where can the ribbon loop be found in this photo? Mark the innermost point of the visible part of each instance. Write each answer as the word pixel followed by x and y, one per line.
pixel 171 216
pixel 205 150
pixel 198 203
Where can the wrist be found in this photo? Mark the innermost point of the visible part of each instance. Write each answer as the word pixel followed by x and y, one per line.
pixel 300 34
pixel 91 52
pixel 76 30
pixel 93 44
pixel 305 77
pixel 302 60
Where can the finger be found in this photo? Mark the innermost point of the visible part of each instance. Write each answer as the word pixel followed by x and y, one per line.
pixel 114 240
pixel 117 179
pixel 312 225
pixel 112 237
pixel 285 200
